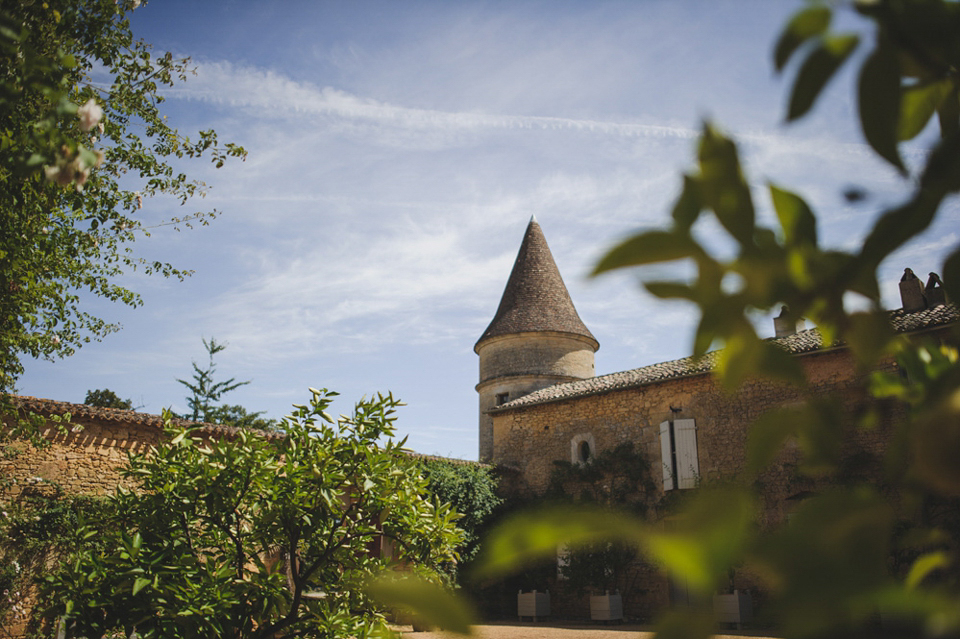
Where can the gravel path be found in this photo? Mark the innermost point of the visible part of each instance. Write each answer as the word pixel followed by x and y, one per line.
pixel 508 630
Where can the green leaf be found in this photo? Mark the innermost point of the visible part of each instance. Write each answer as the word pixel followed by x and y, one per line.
pixel 647 248
pixel 529 537
pixel 709 537
pixel 139 584
pixel 746 356
pixel 869 336
pixel 671 290
pixel 937 446
pixel 833 553
pixel 797 220
pixel 949 113
pixel 951 275
pixel 817 70
pixel 429 602
pixel 722 185
pixel 918 103
pixel 895 227
pixel 805 24
pixel 687 623
pixel 942 174
pixel 924 565
pixel 879 102
pixel 689 204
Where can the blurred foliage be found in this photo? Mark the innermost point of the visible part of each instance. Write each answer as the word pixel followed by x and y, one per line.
pixel 619 479
pixel 260 535
pixel 83 142
pixel 861 550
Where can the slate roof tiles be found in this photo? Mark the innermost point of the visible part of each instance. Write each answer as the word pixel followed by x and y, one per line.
pixel 535 298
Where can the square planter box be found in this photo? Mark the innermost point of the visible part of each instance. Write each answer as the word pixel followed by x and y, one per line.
pixel 736 608
pixel 606 607
pixel 533 604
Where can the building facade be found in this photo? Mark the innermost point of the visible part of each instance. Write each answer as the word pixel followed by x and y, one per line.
pixel 686 429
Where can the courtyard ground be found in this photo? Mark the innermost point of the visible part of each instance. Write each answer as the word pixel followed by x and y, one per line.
pixel 546 630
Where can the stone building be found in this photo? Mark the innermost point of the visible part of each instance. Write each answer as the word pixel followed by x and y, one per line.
pixel 673 414
pixel 535 340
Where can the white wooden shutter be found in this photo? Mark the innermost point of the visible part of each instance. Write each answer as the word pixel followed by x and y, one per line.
pixel 688 464
pixel 666 455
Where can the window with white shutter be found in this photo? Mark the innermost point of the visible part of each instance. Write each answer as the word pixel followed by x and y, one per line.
pixel 666 453
pixel 678 449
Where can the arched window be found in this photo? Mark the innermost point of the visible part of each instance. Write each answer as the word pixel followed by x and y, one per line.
pixel 582 448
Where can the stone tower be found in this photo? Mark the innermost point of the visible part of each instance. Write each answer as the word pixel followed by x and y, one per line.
pixel 535 340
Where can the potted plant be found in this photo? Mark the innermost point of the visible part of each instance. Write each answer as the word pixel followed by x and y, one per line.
pixel 598 569
pixel 533 604
pixel 734 606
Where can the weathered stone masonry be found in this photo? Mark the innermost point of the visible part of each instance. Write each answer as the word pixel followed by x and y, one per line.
pixel 84 460
pixel 539 420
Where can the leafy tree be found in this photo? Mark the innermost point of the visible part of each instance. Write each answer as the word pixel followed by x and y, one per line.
pixel 858 548
pixel 106 398
pixel 238 417
pixel 84 142
pixel 472 490
pixel 259 535
pixel 205 391
pixel 618 479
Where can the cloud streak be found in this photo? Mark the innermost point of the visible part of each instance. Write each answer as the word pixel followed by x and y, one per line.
pixel 271 95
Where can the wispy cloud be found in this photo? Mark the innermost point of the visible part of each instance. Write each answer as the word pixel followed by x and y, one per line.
pixel 270 95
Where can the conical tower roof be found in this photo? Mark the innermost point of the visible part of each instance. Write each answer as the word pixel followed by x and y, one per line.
pixel 535 298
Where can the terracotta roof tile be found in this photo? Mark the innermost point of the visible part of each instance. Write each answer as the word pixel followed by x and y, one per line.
pixel 801 342
pixel 82 411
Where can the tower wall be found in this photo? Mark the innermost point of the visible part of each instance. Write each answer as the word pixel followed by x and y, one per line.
pixel 512 366
pixel 536 339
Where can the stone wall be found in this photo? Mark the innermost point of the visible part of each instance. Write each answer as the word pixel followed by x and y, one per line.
pixel 528 439
pixel 85 455
pixel 514 365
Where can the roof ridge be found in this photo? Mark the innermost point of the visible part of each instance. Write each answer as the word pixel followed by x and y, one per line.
pixel 799 343
pixel 55 406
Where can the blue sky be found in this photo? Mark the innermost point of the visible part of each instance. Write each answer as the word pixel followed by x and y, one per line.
pixel 397 152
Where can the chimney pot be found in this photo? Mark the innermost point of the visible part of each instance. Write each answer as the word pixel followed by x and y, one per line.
pixel 934 291
pixel 911 292
pixel 784 325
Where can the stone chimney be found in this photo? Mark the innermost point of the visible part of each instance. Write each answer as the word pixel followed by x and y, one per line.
pixel 784 324
pixel 911 292
pixel 934 291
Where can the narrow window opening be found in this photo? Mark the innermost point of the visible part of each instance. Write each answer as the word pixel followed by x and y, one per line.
pixel 582 447
pixel 584 452
pixel 502 398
